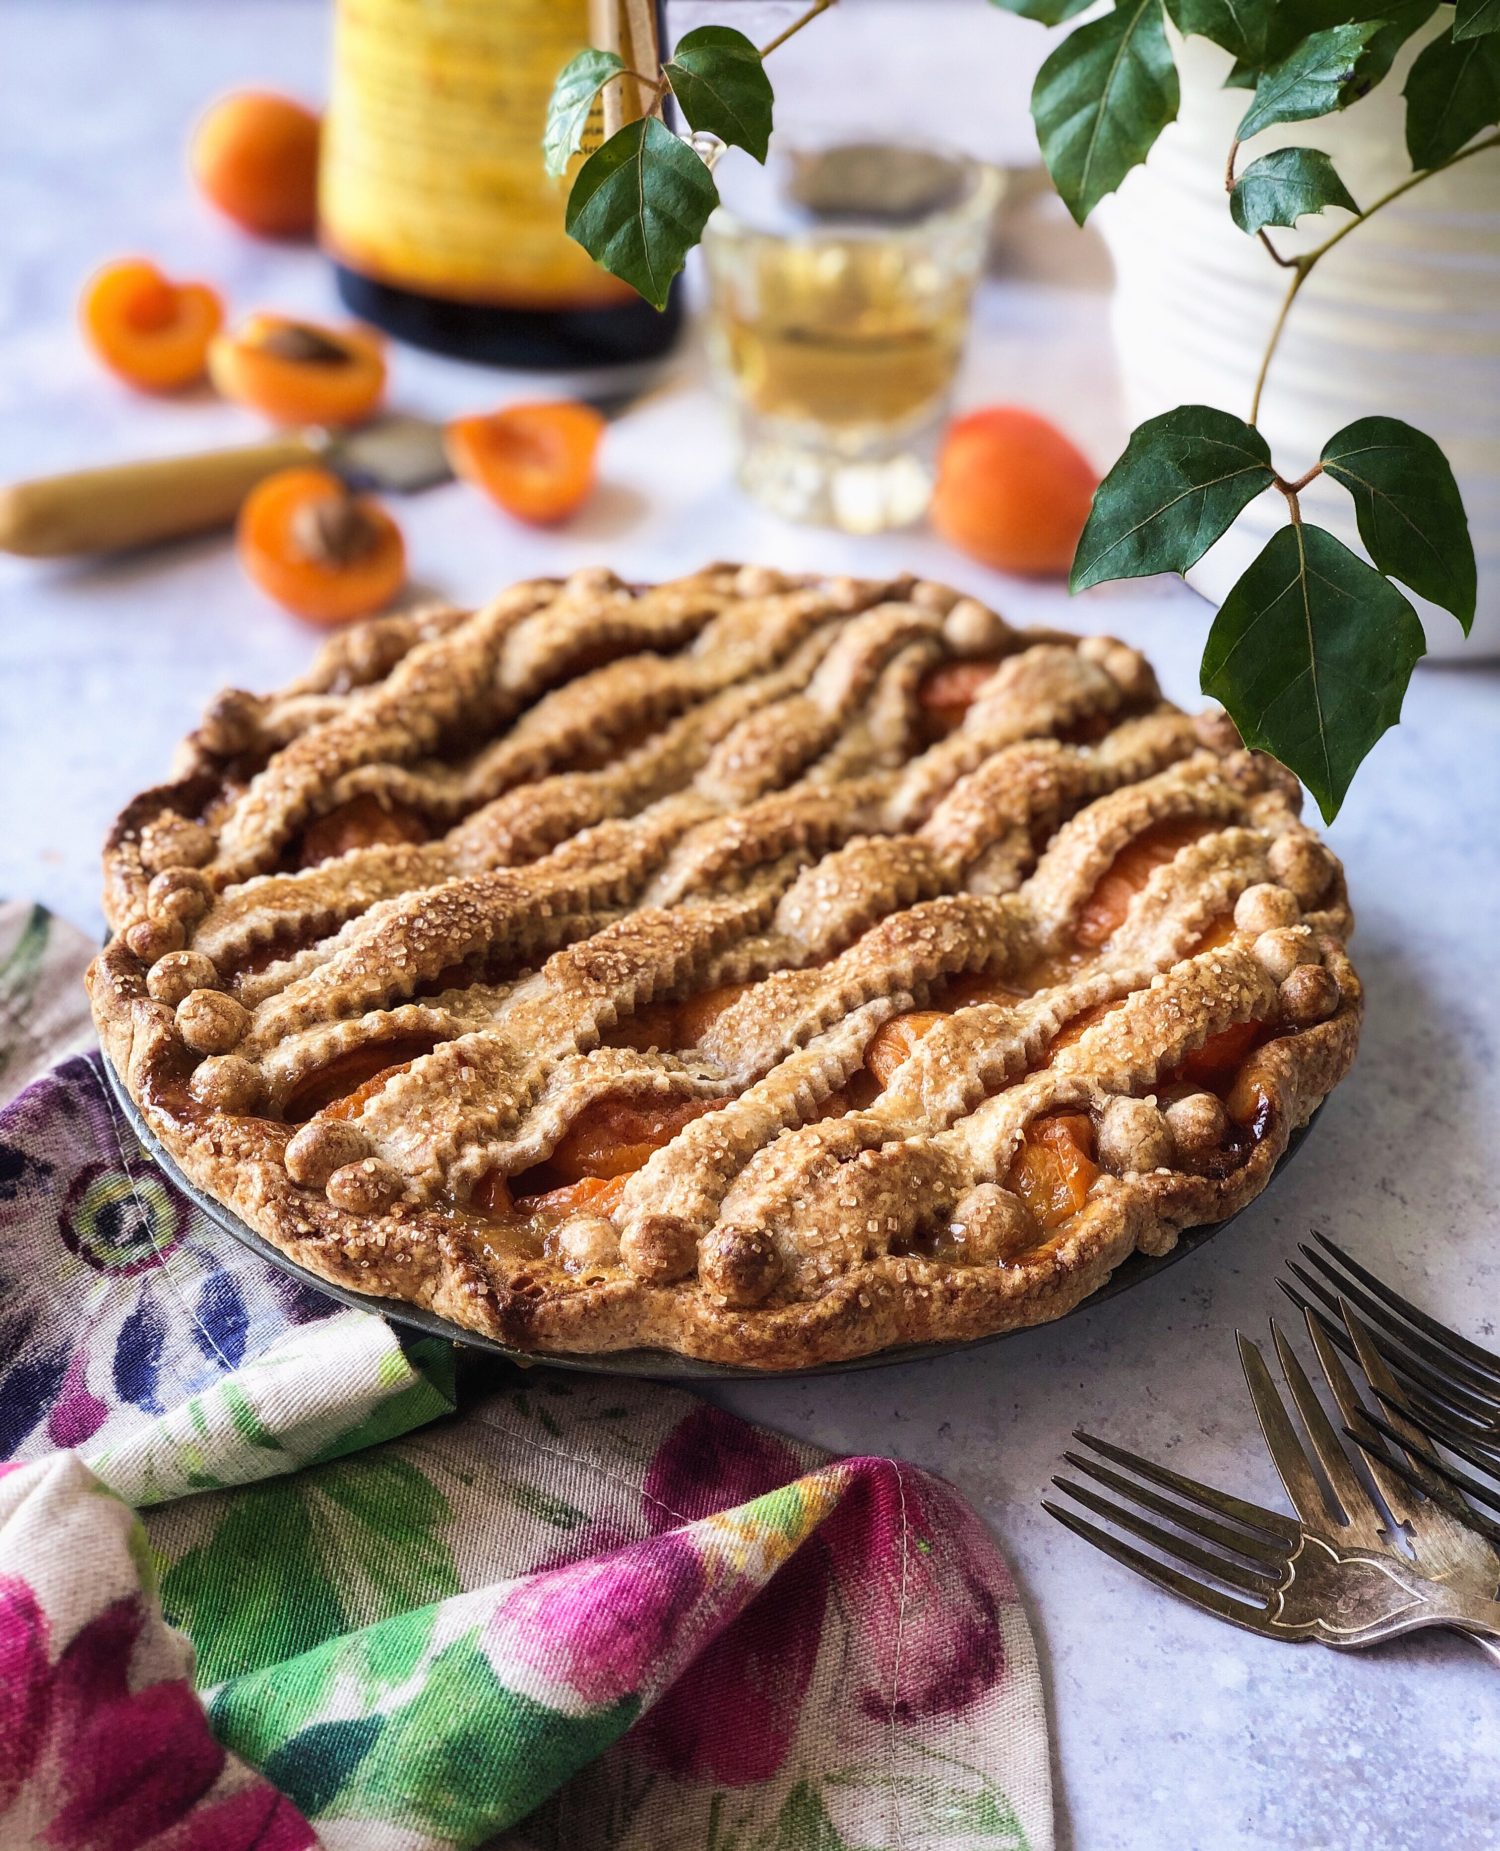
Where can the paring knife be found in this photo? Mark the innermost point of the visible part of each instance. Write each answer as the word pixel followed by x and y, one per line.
pixel 136 504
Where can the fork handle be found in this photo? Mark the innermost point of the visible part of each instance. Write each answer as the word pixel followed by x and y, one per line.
pixel 1480 1622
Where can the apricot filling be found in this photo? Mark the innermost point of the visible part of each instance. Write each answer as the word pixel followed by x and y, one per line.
pixel 1054 1169
pixel 673 1026
pixel 948 692
pixel 364 821
pixel 342 1087
pixel 1104 911
pixel 894 1042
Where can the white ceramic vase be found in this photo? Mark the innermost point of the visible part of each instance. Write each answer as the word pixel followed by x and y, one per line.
pixel 1403 319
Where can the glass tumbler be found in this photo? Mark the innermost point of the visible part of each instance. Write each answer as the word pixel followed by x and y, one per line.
pixel 841 277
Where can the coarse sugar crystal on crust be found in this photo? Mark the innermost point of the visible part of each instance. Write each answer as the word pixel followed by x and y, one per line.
pixel 766 968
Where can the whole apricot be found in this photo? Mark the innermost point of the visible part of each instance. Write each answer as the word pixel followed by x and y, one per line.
pixel 255 156
pixel 1012 491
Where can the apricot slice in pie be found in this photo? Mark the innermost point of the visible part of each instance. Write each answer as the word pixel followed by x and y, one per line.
pixel 765 968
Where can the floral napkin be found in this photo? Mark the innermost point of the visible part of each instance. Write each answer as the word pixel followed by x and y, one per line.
pixel 274 1575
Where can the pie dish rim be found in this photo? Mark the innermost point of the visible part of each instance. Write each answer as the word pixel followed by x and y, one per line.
pixel 1137 1268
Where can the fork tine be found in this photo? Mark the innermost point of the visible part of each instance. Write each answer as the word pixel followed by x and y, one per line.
pixel 1484 1361
pixel 1195 1522
pixel 1358 1506
pixel 1415 1372
pixel 1395 1400
pixel 1394 1490
pixel 1218 1567
pixel 1253 1619
pixel 1424 1455
pixel 1436 1362
pixel 1285 1448
pixel 1485 1457
pixel 1431 1484
pixel 1238 1510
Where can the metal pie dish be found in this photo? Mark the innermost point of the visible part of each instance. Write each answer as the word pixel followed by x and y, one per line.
pixel 1135 1270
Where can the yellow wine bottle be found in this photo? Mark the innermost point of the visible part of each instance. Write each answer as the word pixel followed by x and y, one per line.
pixel 435 206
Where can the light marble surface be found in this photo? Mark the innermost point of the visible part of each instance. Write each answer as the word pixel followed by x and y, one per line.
pixel 1170 1729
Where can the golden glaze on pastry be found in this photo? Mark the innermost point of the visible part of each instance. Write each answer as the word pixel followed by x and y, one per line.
pixel 762 968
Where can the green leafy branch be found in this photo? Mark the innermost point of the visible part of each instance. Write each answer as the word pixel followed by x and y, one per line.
pixel 1313 648
pixel 639 203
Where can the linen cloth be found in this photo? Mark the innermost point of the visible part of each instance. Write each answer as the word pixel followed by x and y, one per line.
pixel 272 1575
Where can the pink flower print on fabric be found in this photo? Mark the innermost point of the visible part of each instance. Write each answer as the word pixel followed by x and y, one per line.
pixel 924 1584
pixel 77 1414
pixel 599 1627
pixel 732 1715
pixel 88 1764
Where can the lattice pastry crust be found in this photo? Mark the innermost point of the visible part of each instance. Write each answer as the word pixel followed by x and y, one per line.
pixel 762 968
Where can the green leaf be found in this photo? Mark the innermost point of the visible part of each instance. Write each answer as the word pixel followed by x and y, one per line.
pixel 1475 18
pixel 721 87
pixel 1283 185
pixel 1452 92
pixel 1411 515
pixel 1101 100
pixel 1395 25
pixel 1311 653
pixel 1240 26
pixel 1048 12
pixel 1181 482
pixel 579 82
pixel 639 206
pixel 1319 75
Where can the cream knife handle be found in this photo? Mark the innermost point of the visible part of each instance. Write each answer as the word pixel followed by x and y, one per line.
pixel 132 504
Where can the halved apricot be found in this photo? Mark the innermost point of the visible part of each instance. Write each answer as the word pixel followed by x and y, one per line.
pixel 150 332
pixel 1054 1168
pixel 950 690
pixel 319 551
pixel 255 156
pixel 536 461
pixel 299 372
pixel 1104 911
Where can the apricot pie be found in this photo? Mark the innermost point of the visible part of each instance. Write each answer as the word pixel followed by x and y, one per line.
pixel 767 969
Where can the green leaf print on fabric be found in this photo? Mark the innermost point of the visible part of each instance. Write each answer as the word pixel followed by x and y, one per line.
pixel 393 1544
pixel 257 1590
pixel 466 1756
pixel 314 1766
pixel 803 1823
pixel 280 1551
pixel 255 1714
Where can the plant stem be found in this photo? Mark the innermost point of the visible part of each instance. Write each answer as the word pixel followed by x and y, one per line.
pixel 1303 265
pixel 818 6
pixel 1302 269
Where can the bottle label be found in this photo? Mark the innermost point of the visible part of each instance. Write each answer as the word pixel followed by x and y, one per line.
pixel 432 177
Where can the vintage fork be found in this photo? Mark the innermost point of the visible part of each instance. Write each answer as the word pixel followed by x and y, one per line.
pixel 1346 1572
pixel 1435 1385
